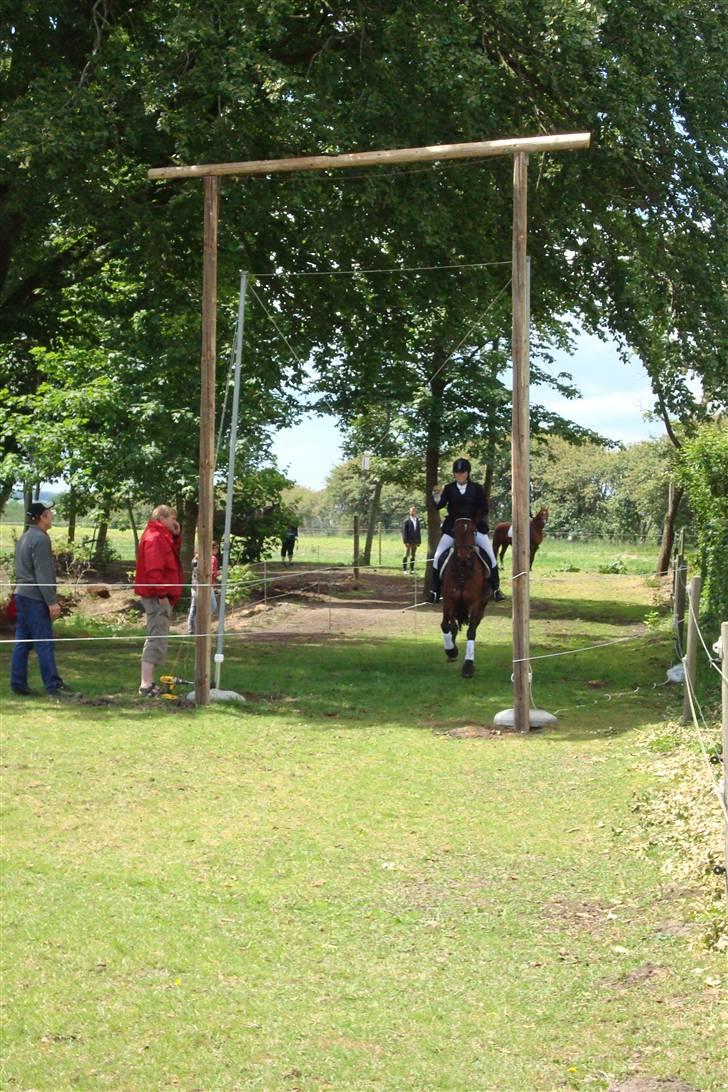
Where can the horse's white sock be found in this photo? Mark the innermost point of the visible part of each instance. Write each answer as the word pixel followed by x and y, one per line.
pixel 470 650
pixel 448 641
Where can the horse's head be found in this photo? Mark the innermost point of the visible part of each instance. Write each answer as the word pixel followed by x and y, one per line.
pixel 464 536
pixel 541 516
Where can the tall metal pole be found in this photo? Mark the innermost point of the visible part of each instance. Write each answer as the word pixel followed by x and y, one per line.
pixel 207 438
pixel 520 446
pixel 219 655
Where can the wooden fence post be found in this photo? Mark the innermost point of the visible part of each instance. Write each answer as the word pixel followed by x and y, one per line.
pixel 356 551
pixel 680 594
pixel 692 650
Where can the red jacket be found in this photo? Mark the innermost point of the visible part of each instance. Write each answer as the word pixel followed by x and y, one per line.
pixel 158 568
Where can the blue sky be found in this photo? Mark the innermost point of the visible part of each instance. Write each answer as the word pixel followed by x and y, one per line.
pixel 614 398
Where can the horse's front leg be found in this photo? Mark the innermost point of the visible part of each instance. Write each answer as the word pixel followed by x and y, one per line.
pixel 469 664
pixel 449 632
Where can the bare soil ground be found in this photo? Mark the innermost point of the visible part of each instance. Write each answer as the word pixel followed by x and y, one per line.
pixel 296 603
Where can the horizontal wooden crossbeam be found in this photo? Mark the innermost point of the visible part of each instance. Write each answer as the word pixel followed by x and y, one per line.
pixel 475 150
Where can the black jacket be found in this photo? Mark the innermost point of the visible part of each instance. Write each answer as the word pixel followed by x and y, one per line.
pixel 412 534
pixel 470 505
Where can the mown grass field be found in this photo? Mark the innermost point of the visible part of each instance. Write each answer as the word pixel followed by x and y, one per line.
pixel 326 888
pixel 556 554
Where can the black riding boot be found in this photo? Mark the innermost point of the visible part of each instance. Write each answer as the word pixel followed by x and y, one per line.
pixel 495 581
pixel 404 564
pixel 435 584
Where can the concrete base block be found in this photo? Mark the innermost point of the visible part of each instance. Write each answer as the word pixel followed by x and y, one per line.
pixel 537 718
pixel 219 695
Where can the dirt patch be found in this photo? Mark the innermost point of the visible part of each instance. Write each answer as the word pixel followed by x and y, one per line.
pixel 639 976
pixel 651 1084
pixel 592 917
pixel 474 731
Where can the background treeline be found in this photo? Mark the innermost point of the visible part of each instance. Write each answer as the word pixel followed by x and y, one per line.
pixel 589 489
pixel 100 270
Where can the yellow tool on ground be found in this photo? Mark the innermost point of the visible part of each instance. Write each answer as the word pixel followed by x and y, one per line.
pixel 169 682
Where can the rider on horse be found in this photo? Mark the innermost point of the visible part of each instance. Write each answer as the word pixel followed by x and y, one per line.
pixel 464 499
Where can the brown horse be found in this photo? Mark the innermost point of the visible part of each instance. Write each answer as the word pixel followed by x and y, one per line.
pixel 502 540
pixel 466 590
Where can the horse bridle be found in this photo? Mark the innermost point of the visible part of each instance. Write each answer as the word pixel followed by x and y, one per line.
pixel 471 547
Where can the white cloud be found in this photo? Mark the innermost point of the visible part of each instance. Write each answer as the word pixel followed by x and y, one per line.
pixel 616 414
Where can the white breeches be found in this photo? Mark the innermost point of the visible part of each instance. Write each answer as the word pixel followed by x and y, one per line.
pixel 446 541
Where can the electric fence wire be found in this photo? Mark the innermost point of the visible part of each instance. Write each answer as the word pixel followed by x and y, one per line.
pixel 394 269
pixel 716 785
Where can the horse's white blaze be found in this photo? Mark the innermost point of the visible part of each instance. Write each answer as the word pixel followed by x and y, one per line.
pixel 448 641
pixel 470 650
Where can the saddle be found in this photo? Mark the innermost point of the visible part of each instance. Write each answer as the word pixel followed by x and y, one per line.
pixel 479 553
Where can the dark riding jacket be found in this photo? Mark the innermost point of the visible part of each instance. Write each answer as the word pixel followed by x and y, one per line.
pixel 468 505
pixel 411 533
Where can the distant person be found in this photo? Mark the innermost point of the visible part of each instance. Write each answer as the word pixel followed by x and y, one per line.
pixel 411 537
pixel 158 581
pixel 214 571
pixel 37 605
pixel 288 543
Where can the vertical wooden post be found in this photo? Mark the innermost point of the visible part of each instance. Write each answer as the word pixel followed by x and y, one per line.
pixel 692 651
pixel 681 576
pixel 520 445
pixel 207 438
pixel 380 543
pixel 724 696
pixel 356 551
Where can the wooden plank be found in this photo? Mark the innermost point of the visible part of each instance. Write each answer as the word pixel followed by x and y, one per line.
pixel 480 149
pixel 519 446
pixel 207 439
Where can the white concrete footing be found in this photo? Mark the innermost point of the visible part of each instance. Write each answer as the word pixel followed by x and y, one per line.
pixel 537 718
pixel 219 695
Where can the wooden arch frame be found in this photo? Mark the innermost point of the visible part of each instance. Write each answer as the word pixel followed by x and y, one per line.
pixel 519 148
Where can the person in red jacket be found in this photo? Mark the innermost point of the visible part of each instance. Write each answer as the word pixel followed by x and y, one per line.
pixel 158 581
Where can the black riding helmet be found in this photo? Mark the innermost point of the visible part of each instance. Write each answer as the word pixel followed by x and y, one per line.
pixel 461 466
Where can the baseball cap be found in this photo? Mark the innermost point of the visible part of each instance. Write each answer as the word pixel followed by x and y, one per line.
pixel 37 509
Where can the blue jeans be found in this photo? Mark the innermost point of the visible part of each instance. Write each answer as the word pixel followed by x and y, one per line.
pixel 33 630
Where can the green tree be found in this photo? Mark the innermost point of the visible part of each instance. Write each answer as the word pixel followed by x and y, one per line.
pixel 703 468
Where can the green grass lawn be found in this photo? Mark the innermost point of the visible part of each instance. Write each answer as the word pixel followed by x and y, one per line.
pixel 323 889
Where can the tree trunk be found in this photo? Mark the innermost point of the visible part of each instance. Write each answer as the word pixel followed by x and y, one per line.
pixel 6 489
pixel 102 534
pixel 71 531
pixel 27 501
pixel 432 467
pixel 189 529
pixel 488 482
pixel 132 521
pixel 374 508
pixel 668 528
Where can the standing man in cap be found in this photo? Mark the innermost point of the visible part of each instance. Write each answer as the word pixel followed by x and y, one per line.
pixel 37 605
pixel 159 580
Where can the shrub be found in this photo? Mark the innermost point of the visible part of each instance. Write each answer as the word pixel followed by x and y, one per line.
pixel 703 469
pixel 240 584
pixel 617 566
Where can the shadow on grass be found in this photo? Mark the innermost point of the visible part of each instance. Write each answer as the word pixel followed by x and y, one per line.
pixel 360 683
